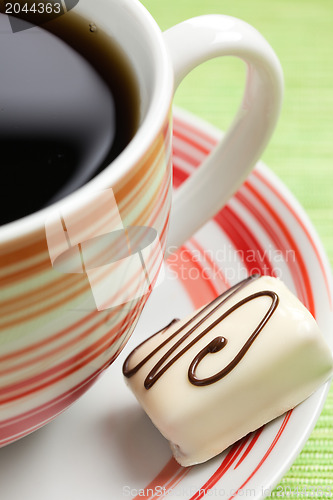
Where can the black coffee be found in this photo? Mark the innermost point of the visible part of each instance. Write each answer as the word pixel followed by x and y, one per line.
pixel 68 106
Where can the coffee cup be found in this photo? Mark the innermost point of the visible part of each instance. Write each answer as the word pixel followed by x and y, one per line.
pixel 76 274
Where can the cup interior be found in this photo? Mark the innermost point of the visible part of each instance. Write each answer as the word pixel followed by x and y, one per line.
pixel 136 33
pixel 140 38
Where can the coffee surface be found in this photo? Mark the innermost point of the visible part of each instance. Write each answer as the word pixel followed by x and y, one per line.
pixel 68 107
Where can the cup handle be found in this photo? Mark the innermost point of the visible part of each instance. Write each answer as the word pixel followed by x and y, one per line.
pixel 190 43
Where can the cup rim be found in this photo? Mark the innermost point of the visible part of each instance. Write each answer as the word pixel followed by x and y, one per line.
pixel 152 124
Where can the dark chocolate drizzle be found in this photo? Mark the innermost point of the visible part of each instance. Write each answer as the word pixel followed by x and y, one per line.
pixel 214 346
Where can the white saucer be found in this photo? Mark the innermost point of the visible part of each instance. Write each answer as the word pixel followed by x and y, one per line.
pixel 104 447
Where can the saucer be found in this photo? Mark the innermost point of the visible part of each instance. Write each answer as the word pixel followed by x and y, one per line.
pixel 104 446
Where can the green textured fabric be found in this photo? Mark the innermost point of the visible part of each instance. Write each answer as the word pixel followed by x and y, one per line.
pixel 300 153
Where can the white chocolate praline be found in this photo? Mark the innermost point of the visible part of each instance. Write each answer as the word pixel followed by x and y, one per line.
pixel 287 360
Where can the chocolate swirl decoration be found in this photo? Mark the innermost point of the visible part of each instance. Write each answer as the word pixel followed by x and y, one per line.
pixel 214 346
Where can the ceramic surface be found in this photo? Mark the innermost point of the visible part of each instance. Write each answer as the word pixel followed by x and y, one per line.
pixel 67 306
pixel 99 449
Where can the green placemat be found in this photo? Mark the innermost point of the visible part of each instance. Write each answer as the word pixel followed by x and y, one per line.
pixel 300 153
